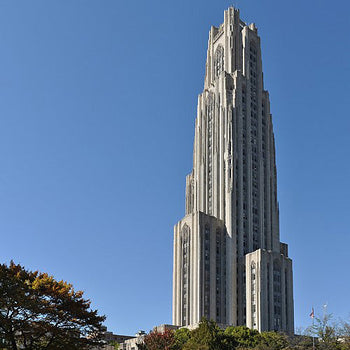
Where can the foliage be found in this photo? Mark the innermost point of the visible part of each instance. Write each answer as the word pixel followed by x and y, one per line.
pixel 182 335
pixel 326 333
pixel 273 341
pixel 37 312
pixel 345 335
pixel 300 342
pixel 242 337
pixel 114 344
pixel 207 336
pixel 158 341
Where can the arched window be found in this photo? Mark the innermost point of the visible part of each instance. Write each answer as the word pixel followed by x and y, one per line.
pixel 218 61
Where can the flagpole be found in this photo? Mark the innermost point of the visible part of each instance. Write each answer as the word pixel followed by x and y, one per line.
pixel 313 338
pixel 312 315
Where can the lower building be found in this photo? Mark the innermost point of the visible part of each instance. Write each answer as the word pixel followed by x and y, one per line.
pixel 270 286
pixel 131 344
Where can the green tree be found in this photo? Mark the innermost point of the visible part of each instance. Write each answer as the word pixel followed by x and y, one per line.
pixel 207 336
pixel 301 342
pixel 181 337
pixel 273 341
pixel 241 337
pixel 37 312
pixel 345 335
pixel 114 344
pixel 326 334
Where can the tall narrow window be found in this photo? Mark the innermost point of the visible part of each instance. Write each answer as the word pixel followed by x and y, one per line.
pixel 277 295
pixel 218 275
pixel 253 294
pixel 185 236
pixel 207 271
pixel 286 295
pixel 218 61
pixel 268 296
pixel 210 114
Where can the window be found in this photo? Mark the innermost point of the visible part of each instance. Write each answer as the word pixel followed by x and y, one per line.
pixel 277 294
pixel 210 115
pixel 185 236
pixel 206 269
pixel 218 61
pixel 253 292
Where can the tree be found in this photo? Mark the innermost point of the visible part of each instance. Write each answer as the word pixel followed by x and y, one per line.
pixel 158 341
pixel 114 344
pixel 181 337
pixel 273 341
pixel 241 337
pixel 326 334
pixel 300 342
pixel 207 336
pixel 37 312
pixel 345 335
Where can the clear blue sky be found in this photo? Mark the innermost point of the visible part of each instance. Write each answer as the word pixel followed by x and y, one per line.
pixel 97 108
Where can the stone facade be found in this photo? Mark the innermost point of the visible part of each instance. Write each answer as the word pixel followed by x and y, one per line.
pixel 131 344
pixel 109 338
pixel 229 264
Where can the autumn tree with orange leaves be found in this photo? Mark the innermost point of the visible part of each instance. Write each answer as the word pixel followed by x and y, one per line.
pixel 37 312
pixel 158 341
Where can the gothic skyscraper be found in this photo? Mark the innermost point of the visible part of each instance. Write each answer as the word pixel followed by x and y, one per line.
pixel 229 263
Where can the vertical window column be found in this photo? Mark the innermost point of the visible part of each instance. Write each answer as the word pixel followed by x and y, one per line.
pixel 207 272
pixel 218 276
pixel 277 295
pixel 254 146
pixel 245 173
pixel 210 114
pixel 185 273
pixel 253 294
